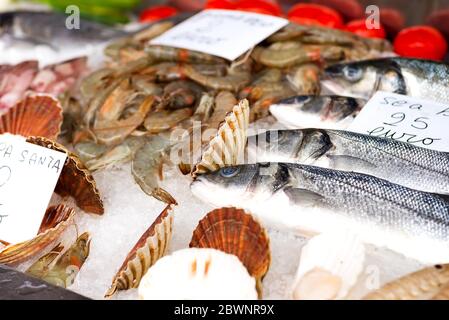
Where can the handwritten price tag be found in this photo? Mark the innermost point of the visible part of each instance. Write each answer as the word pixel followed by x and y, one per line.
pixel 417 121
pixel 28 176
pixel 224 33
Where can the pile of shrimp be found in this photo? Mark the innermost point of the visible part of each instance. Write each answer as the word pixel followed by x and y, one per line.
pixel 128 110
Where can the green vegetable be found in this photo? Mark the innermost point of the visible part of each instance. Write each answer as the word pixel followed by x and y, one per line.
pixel 98 13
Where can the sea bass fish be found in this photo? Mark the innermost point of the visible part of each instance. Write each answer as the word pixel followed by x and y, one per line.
pixel 336 112
pixel 413 77
pixel 313 200
pixel 50 28
pixel 396 161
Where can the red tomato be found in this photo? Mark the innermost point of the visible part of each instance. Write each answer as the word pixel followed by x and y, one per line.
pixel 349 9
pixel 156 13
pixel 220 4
pixel 359 27
pixel 420 42
pixel 260 6
pixel 315 14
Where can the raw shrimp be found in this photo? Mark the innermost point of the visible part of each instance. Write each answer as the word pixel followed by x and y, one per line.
pixel 147 166
pixel 293 56
pixel 121 153
pixel 66 268
pixel 224 102
pixel 180 94
pixel 88 150
pixel 159 121
pixel 41 267
pixel 235 80
pixel 170 54
pixel 114 131
pixel 305 79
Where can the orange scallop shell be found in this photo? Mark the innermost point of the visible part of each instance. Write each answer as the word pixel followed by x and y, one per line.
pixel 39 115
pixel 56 220
pixel 75 179
pixel 233 231
pixel 151 246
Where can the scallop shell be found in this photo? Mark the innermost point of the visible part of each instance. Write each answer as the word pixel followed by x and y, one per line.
pixel 419 285
pixel 198 274
pixel 56 220
pixel 443 294
pixel 329 267
pixel 75 180
pixel 39 115
pixel 233 231
pixel 228 146
pixel 151 246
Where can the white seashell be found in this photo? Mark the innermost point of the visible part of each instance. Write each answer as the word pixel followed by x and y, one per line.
pixel 228 146
pixel 329 267
pixel 198 274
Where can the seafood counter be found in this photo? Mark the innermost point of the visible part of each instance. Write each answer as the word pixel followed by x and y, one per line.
pixel 192 177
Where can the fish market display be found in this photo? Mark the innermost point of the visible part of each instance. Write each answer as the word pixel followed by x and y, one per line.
pixel 235 232
pixel 55 221
pixel 198 274
pixel 329 112
pixel 420 285
pixel 416 78
pixel 329 266
pixel 153 122
pixel 64 271
pixel 313 200
pixel 151 246
pixel 396 161
pixel 17 81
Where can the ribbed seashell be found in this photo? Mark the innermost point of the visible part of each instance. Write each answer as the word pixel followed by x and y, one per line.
pixel 419 285
pixel 39 115
pixel 198 274
pixel 228 146
pixel 56 220
pixel 151 246
pixel 329 267
pixel 75 179
pixel 233 231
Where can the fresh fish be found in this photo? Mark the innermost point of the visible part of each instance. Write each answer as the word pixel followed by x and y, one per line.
pixel 306 111
pixel 50 28
pixel 395 161
pixel 313 200
pixel 417 78
pixel 27 35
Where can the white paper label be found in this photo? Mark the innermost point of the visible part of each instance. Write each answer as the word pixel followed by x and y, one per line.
pixel 224 33
pixel 28 176
pixel 417 121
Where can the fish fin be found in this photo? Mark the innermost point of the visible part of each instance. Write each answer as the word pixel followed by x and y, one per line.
pixel 344 162
pixel 303 197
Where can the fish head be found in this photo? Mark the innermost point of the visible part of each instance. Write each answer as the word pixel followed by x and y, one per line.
pixel 226 186
pixel 274 146
pixel 83 246
pixel 355 79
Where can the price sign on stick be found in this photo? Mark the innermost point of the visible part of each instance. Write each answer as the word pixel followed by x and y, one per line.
pixel 28 176
pixel 224 33
pixel 419 122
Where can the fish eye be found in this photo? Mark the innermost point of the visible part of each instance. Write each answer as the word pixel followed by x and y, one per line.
pixel 352 74
pixel 303 99
pixel 229 172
